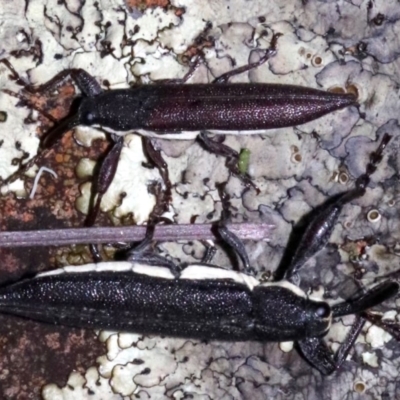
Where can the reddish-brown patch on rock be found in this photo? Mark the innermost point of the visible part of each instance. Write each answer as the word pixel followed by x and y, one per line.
pixel 33 354
pixel 143 4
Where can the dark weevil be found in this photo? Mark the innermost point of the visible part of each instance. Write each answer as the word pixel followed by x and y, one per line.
pixel 173 110
pixel 149 294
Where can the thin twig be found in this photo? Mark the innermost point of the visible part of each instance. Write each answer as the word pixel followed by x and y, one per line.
pixel 59 237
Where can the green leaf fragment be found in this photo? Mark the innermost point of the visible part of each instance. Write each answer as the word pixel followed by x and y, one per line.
pixel 244 159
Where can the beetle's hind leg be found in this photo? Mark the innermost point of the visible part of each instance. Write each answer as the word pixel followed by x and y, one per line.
pixel 232 158
pixel 270 52
pixel 209 252
pixel 192 69
pixel 318 231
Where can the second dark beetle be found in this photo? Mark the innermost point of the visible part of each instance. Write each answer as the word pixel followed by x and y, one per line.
pixel 149 294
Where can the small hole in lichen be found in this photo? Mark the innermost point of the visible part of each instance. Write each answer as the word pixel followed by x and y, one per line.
pixel 353 90
pixel 373 216
pixel 3 116
pixel 294 149
pixel 348 224
pixel 391 203
pixel 317 61
pixel 343 178
pixel 296 158
pixel 336 89
pixel 359 387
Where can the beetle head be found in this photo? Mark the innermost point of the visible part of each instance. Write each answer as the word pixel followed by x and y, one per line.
pixel 287 314
pixel 116 110
pixel 88 112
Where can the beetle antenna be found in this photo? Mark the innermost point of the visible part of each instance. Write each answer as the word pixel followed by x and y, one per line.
pixel 377 295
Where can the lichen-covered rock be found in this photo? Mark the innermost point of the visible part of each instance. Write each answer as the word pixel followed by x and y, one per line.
pixel 337 45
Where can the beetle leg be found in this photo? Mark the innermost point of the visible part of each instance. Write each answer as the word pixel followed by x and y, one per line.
pixel 141 254
pixel 271 51
pixel 237 245
pixel 370 298
pixel 209 253
pixel 100 186
pixel 317 353
pixel 192 69
pixel 232 158
pixel 325 217
pixel 106 175
pixel 155 156
pixel 388 325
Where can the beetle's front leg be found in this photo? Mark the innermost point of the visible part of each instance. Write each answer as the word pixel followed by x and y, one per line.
pixel 316 351
pixel 232 159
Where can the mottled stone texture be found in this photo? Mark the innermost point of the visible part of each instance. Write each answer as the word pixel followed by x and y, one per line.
pixel 350 46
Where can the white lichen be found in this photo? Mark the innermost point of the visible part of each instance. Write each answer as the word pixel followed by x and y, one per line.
pixel 319 48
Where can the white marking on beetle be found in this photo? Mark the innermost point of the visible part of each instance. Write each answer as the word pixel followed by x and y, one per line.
pixel 287 285
pixel 105 266
pixel 191 272
pixel 183 135
pixel 82 268
pixel 204 272
pixel 37 177
pixel 152 270
pixel 119 266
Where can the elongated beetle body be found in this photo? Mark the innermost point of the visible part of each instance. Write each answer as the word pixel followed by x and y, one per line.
pixel 173 110
pixel 149 294
pixel 203 302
